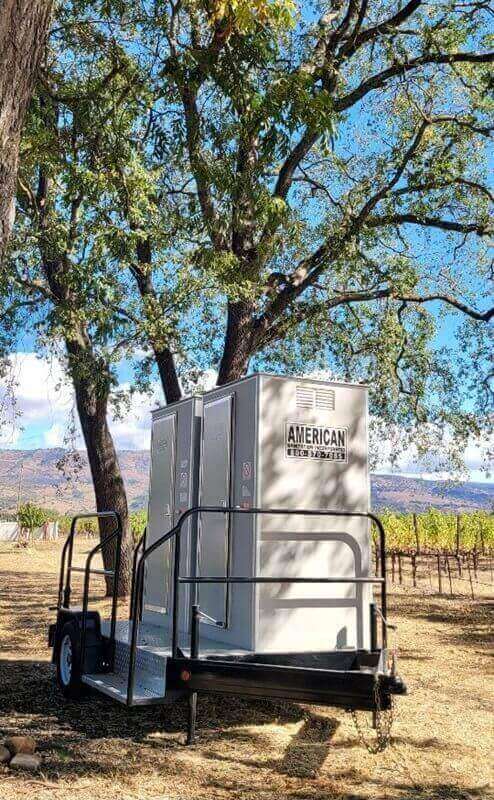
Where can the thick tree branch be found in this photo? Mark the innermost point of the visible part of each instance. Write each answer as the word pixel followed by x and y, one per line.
pixel 272 331
pixel 384 190
pixel 482 316
pixel 388 26
pixel 153 313
pixel 379 80
pixel 480 229
pixel 428 186
pixel 287 171
pixel 198 163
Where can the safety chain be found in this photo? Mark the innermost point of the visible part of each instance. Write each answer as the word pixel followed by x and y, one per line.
pixel 383 723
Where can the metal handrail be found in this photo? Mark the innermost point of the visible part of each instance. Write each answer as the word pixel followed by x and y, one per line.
pixel 176 532
pixel 64 592
pixel 140 544
pixel 240 579
pixel 117 533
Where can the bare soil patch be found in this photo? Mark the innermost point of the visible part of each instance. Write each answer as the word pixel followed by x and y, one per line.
pixel 96 750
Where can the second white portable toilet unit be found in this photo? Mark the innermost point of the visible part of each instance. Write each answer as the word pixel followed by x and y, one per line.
pixel 173 478
pixel 287 443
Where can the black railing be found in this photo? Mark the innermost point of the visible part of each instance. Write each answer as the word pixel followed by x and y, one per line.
pixel 136 599
pixel 141 545
pixel 65 582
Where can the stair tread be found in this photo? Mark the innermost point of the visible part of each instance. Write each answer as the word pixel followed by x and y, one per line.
pixel 147 689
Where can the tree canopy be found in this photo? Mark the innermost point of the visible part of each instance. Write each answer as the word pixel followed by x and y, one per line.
pixel 273 184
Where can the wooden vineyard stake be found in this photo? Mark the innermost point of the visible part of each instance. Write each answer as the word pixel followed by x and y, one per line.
pixel 439 577
pixel 449 575
pixel 470 576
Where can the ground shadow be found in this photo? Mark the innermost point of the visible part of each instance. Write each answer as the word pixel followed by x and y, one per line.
pixel 472 622
pixel 30 703
pixel 303 757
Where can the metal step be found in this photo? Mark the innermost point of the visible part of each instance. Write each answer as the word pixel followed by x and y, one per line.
pixel 150 675
pixel 153 652
pixel 148 689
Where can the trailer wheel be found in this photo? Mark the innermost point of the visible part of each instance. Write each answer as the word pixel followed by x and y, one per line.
pixel 68 661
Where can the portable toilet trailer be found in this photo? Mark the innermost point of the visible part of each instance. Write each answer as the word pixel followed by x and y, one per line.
pixel 254 577
pixel 274 442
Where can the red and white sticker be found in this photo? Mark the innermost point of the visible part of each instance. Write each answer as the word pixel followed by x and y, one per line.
pixel 247 470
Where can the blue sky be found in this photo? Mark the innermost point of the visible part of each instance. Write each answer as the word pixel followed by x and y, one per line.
pixel 44 401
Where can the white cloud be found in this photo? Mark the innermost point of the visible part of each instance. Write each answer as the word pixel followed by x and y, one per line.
pixel 44 400
pixel 431 467
pixel 41 405
pixel 54 436
pixel 131 429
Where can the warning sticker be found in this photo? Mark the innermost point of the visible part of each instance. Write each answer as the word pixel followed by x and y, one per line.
pixel 247 470
pixel 315 441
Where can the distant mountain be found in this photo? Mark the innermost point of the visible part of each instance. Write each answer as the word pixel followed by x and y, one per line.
pixel 35 476
pixel 46 478
pixel 413 494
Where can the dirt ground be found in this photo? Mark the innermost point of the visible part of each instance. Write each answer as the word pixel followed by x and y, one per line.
pixel 95 750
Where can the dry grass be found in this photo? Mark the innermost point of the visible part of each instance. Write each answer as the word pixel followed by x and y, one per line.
pixel 96 750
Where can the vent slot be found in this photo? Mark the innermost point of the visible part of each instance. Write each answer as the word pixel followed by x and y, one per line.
pixel 305 397
pixel 325 399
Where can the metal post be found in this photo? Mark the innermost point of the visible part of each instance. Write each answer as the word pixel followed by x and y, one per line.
pixel 116 579
pixel 382 564
pixel 194 632
pixel 85 601
pixel 140 544
pixel 191 725
pixel 194 653
pixel 176 575
pixel 134 632
pixel 66 592
pixel 373 627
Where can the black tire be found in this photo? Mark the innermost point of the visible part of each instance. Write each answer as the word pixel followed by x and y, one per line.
pixel 68 662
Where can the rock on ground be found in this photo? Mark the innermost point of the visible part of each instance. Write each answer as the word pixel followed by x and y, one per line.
pixel 25 761
pixel 20 744
pixel 4 754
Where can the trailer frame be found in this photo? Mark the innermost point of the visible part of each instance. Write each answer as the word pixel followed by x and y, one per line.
pixel 366 685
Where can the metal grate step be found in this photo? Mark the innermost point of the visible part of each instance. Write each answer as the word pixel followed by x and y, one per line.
pixel 148 689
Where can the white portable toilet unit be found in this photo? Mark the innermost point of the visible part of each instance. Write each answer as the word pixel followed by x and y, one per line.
pixel 264 442
pixel 173 479
pixel 286 443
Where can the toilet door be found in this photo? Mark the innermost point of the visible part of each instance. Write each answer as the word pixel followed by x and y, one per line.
pixel 157 592
pixel 214 528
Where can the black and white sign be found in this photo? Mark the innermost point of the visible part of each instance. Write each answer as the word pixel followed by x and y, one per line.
pixel 316 441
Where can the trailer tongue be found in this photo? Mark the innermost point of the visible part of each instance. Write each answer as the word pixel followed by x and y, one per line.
pixel 233 597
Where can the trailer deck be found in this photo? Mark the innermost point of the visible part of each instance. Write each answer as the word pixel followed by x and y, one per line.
pixel 138 663
pixel 339 678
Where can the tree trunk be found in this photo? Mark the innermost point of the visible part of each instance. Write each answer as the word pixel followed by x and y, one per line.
pixel 109 489
pixel 23 29
pixel 92 383
pixel 168 375
pixel 237 350
pixel 153 312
